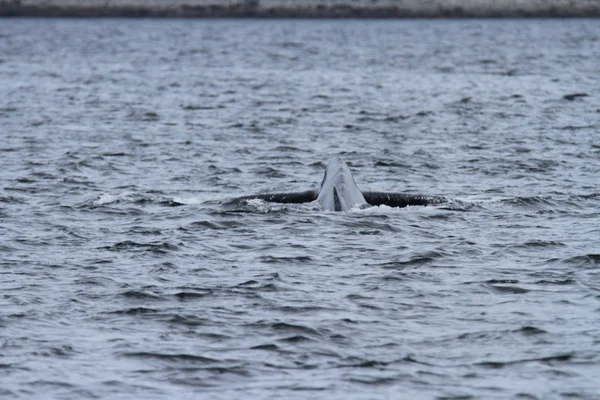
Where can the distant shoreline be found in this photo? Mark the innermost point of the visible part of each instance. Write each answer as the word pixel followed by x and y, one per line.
pixel 302 9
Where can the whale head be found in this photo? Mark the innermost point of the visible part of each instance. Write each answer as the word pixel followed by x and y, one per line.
pixel 338 191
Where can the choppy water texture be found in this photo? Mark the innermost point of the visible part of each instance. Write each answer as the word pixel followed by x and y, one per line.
pixel 127 273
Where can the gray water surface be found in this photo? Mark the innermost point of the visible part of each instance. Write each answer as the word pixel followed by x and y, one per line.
pixel 128 272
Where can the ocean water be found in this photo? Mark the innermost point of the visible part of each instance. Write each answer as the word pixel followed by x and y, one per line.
pixel 127 271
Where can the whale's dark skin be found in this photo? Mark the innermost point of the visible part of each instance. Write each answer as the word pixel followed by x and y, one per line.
pixel 338 192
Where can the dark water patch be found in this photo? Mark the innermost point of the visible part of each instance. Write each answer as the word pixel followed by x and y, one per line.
pixel 145 116
pixel 296 309
pixel 145 231
pixel 7 110
pixel 170 203
pixel 197 107
pixel 551 360
pixel 79 181
pixel 533 201
pixel 530 331
pixel 180 359
pixel 255 286
pixel 290 149
pixel 64 351
pixel 116 154
pixel 567 281
pixel 368 224
pixel 214 225
pixel 285 328
pixel 590 196
pixel 191 321
pixel 48 385
pixel 12 200
pixel 28 189
pixel 541 243
pixel 193 294
pixel 573 96
pixel 140 295
pixel 27 180
pixel 295 339
pixel 577 127
pixel 158 248
pixel 585 260
pixel 269 172
pixel 502 281
pixel 355 296
pixel 370 232
pixel 538 166
pixel 6 249
pixel 395 164
pixel 415 260
pixel 373 381
pixel 136 311
pixel 456 397
pixel 503 289
pixel 96 281
pixel 286 260
pixel 359 363
pixel 266 347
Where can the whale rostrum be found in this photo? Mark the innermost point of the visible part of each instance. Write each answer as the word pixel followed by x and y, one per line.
pixel 338 192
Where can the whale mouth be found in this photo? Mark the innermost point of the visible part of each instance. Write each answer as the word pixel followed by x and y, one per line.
pixel 339 191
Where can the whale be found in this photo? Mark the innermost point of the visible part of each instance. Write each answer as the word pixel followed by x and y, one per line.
pixel 338 191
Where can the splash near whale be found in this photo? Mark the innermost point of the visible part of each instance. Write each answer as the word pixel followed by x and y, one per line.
pixel 338 191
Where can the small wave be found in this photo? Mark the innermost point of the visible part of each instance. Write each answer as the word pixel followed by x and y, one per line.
pixel 151 247
pixel 282 259
pixel 106 198
pixel 116 154
pixel 197 107
pixel 538 165
pixel 258 287
pixel 140 295
pixel 285 328
pixel 588 259
pixel 417 260
pixel 502 281
pixel 567 281
pixel 541 243
pixel 254 206
pixel 545 360
pixel 296 339
pixel 176 358
pixel 130 198
pixel 192 294
pixel 590 196
pixel 135 311
pixel 268 172
pixel 59 351
pixel 12 200
pixel 268 347
pixel 395 164
pixel 507 289
pixel 529 201
pixel 530 331
pixel 212 225
pixel 573 96
pixel 188 320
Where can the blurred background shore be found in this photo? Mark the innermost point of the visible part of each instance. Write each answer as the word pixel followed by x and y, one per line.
pixel 302 9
